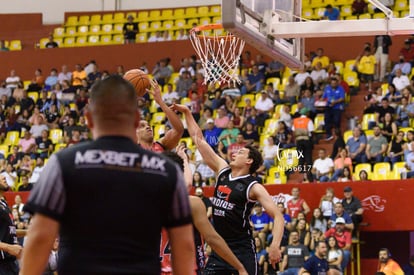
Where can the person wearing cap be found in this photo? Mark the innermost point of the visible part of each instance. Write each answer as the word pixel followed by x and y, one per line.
pixel 344 239
pixel 352 206
pixel 130 30
pixel 302 128
pixel 211 133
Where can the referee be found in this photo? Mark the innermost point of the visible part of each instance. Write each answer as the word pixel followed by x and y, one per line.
pixel 108 198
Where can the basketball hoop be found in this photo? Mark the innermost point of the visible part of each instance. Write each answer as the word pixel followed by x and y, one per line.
pixel 219 52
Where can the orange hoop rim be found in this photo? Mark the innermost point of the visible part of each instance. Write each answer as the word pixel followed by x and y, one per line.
pixel 208 27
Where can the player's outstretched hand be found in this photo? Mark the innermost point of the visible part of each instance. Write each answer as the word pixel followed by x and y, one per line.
pixel 274 255
pixel 179 108
pixel 180 150
pixel 155 91
pixel 15 250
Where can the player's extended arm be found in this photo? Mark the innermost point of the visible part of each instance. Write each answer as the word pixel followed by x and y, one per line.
pixel 12 249
pixel 173 136
pixel 40 238
pixel 209 156
pixel 258 192
pixel 210 235
pixel 188 175
pixel 182 249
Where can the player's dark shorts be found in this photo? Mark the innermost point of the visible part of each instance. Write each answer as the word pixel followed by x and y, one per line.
pixel 8 268
pixel 245 254
pixel 367 77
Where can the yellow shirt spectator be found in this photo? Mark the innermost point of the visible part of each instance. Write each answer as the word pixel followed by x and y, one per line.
pixel 78 75
pixel 323 59
pixel 367 64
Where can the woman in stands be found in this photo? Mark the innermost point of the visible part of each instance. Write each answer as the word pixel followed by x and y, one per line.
pixel 283 136
pixel 393 96
pixel 363 175
pixel 389 127
pixel 335 254
pixel 308 85
pixel 250 135
pixel 198 180
pixel 395 149
pixel 304 234
pixel 340 163
pixel 237 118
pixel 318 221
pixel 345 175
pixel 327 203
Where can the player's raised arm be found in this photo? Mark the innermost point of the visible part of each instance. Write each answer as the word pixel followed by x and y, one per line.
pixel 210 157
pixel 217 243
pixel 173 136
pixel 259 193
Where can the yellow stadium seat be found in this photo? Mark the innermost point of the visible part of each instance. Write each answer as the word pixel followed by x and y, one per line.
pixel 144 27
pixel 319 12
pixel 154 15
pixel 205 21
pixel 293 108
pixel 15 45
pixel 154 26
pixel 351 17
pixel 159 130
pixel 95 19
pixel 381 171
pixel 263 140
pixel 191 12
pixel 106 39
pixel 270 126
pixel 308 13
pixel 346 10
pixel 365 16
pixel 42 42
pixel 347 135
pixel 185 101
pixel 405 13
pixel 131 13
pixel 59 41
pixel 12 138
pixel 158 118
pixel 339 65
pixel 215 10
pixel 180 23
pixel 4 149
pixel 58 32
pixel 275 81
pixel 69 42
pixel 33 95
pixel 191 22
pixel 167 14
pixel 242 102
pixel 107 29
pixel 118 28
pixel 276 176
pixel 203 11
pixel 93 40
pixel 119 17
pixel 371 8
pixel 344 2
pixel 142 37
pixel 83 30
pixel 71 21
pixel 107 18
pixel 351 78
pixel 317 3
pixel 319 123
pixel 95 29
pixel 349 65
pixel 70 31
pixel 381 15
pixel 118 39
pixel 83 20
pixel 142 16
pixel 81 41
pixel 366 119
pixel 179 13
pixel 167 25
pixel 188 142
pixel 216 20
pixel 60 146
pixel 400 5
pixel 405 130
pixel 362 166
pixel 397 169
pixel 289 158
pixel 56 135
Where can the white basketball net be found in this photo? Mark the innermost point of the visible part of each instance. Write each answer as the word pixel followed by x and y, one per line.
pixel 219 54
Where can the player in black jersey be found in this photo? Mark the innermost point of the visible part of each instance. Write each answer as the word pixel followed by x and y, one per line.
pixel 96 195
pixel 10 250
pixel 235 193
pixel 203 230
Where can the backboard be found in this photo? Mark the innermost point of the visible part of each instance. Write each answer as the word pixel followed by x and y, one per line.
pixel 248 19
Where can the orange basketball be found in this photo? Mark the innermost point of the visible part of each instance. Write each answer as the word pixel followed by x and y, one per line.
pixel 139 80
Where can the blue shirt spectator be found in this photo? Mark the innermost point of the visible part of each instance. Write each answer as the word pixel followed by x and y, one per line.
pixel 333 93
pixel 211 133
pixel 331 13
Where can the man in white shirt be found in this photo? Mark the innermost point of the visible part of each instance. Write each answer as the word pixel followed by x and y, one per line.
pixel 301 76
pixel 263 106
pixel 170 96
pixel 318 74
pixel 322 167
pixel 13 80
pixel 65 74
pixel 400 81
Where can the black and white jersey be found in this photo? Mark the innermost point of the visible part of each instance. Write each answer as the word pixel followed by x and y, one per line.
pixel 232 206
pixel 111 198
pixel 7 231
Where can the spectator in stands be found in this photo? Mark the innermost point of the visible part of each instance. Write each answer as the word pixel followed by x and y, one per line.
pixel 403 65
pixel 389 127
pixel 181 35
pixel 302 129
pixel 346 175
pixel 250 134
pixel 292 91
pixel 26 102
pixel 269 152
pixel 383 109
pixel 319 75
pixel 381 50
pixel 296 254
pixel 296 204
pixel 320 57
pixel 339 143
pixel 13 80
pixel 95 75
pixel 318 221
pixel 51 80
pixel 222 120
pixel 77 75
pixel 130 30
pixel 274 69
pixel 199 192
pixel 323 167
pixel 376 146
pixel 198 180
pixel 366 67
pixel 162 72
pixel 260 222
pixel 229 134
pixel 335 97
pixel 183 84
pixel 386 264
pixel 261 64
pixel 339 212
pixel 335 254
pixel 237 118
pixel 317 264
pixel 51 43
pixel 65 75
pixel 400 80
pixel 344 239
pixel 331 13
pixel 186 67
pixel 52 117
pixel 352 206
pixel 395 149
pixel 327 203
pixel 3 47
pixel 255 81
pixel 36 171
pixel 409 268
pixel 301 77
pixel 283 136
pixel 359 7
pixel 234 147
pixel 342 161
pixel 273 94
pixel 356 146
pixel 4 90
pixel 303 229
pixel 363 175
pixel 38 126
pixel 308 85
pixel 27 144
pixel 308 102
pixel 263 105
pixel 211 133
pixel 261 256
pixel 393 96
pixel 44 146
pixel 10 175
pixel 23 120
pixel 25 185
pixel 408 52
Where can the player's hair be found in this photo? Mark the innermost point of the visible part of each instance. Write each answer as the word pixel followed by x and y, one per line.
pixel 257 158
pixel 175 158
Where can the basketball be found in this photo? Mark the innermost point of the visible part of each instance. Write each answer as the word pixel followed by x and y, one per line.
pixel 139 80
